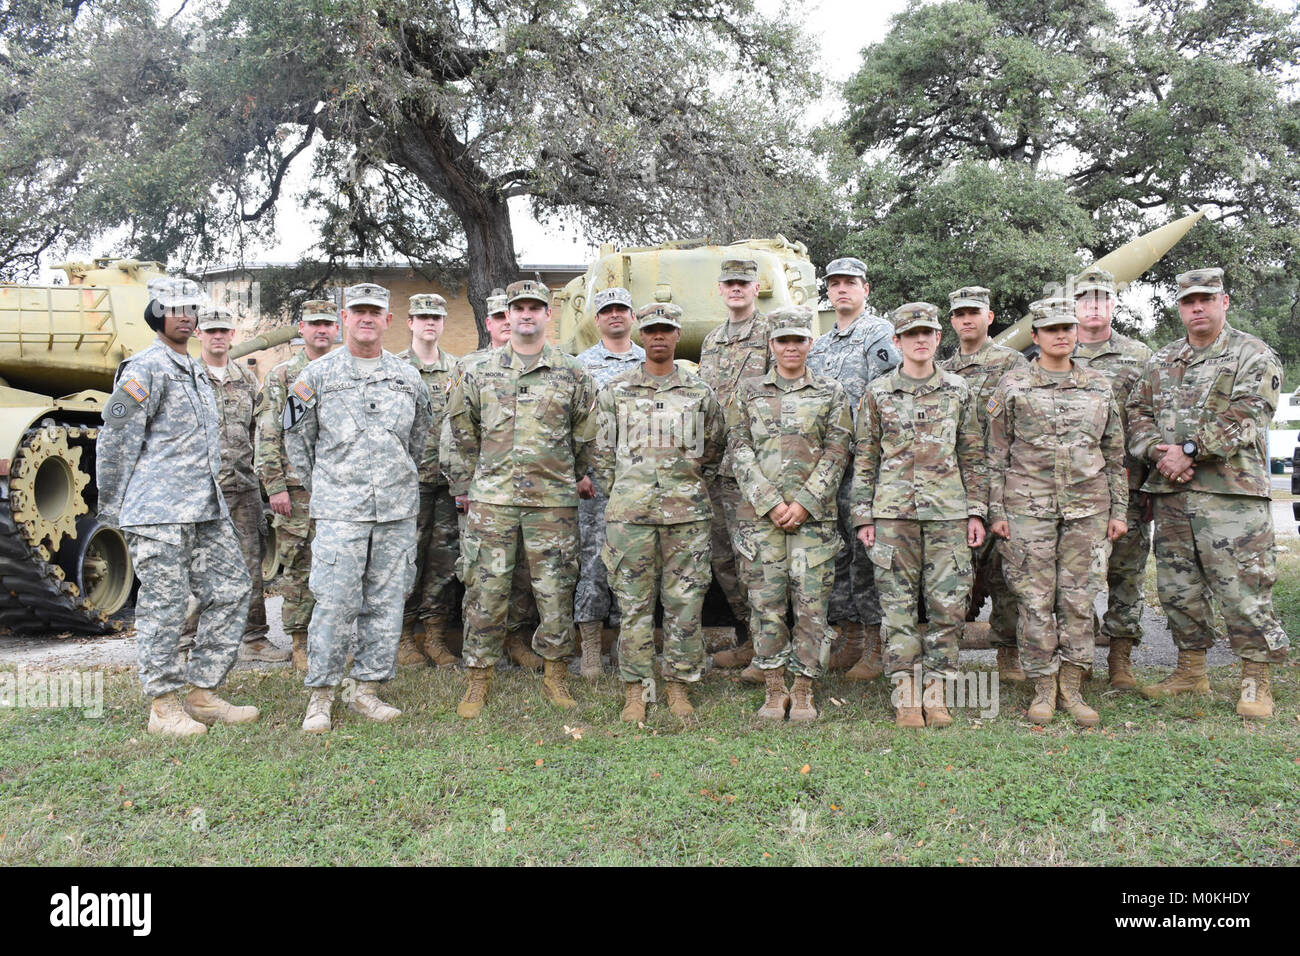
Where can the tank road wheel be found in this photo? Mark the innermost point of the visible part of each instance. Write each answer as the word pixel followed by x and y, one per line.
pixel 100 563
pixel 46 487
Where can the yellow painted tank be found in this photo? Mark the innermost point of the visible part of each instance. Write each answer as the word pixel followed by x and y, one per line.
pixel 685 273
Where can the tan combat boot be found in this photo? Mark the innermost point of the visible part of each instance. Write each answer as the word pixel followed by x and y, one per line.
pixel 850 651
pixel 521 653
pixel 1256 693
pixel 869 665
pixel 317 720
pixel 633 702
pixel 934 705
pixel 1044 703
pixel 476 695
pixel 777 700
pixel 167 716
pixel 738 656
pixel 802 707
pixel 1117 662
pixel 434 645
pixel 262 650
pixel 367 704
pixel 1189 677
pixel 1009 663
pixel 591 633
pixel 1070 682
pixel 555 685
pixel 299 639
pixel 679 701
pixel 206 707
pixel 907 701
pixel 408 652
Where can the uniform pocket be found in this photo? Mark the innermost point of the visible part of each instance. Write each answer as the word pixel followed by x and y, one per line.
pixel 320 579
pixel 881 555
pixel 468 559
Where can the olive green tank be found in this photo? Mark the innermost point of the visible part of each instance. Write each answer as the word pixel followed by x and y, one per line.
pixel 60 569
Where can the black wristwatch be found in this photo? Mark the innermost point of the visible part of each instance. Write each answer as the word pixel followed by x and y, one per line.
pixel 1190 449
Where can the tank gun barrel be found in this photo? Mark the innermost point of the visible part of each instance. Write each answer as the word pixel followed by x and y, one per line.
pixel 268 340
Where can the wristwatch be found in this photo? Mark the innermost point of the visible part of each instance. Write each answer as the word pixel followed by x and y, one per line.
pixel 1190 449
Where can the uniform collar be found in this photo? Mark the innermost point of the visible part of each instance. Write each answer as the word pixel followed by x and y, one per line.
pixel 601 350
pixel 743 329
pixel 1093 349
pixel 186 361
pixel 508 359
pixel 443 364
pixel 351 360
pixel 1188 355
pixel 1038 376
pixel 848 329
pixel 641 377
pixel 899 383
pixel 806 381
pixel 975 358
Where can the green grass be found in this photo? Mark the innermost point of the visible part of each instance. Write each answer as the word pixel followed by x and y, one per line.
pixel 1183 782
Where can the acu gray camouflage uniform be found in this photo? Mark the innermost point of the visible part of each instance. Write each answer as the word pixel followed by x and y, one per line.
pixel 158 466
pixel 355 439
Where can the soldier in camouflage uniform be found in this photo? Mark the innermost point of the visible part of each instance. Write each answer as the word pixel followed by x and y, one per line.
pixel 790 441
pixel 1200 417
pixel 729 354
pixel 318 327
pixel 1057 498
pixel 356 426
pixel 236 391
pixel 437 536
pixel 919 493
pixel 1122 360
pixel 521 616
pixel 982 363
pixel 613 355
pixel 858 350
pixel 520 421
pixel 158 467
pixel 660 436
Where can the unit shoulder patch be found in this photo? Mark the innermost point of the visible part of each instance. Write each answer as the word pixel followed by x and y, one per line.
pixel 994 407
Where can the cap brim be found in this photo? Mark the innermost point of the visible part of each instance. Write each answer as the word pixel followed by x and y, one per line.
pixel 529 297
pixel 851 275
pixel 785 333
pixel 432 315
pixel 215 326
pixel 1054 320
pixel 737 276
pixel 1092 287
pixel 967 304
pixel 919 324
pixel 666 323
pixel 1192 290
pixel 366 300
pixel 319 317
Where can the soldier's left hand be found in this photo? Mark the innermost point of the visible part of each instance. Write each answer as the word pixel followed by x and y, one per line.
pixel 586 487
pixel 795 515
pixel 974 532
pixel 1175 466
pixel 1115 529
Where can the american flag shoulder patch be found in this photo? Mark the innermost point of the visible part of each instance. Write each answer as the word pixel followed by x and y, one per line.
pixel 303 391
pixel 135 390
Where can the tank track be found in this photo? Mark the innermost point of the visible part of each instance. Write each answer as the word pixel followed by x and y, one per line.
pixel 35 598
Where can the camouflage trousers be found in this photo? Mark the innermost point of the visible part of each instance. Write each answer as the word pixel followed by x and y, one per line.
pixel 669 562
pixel 296 531
pixel 1218 550
pixel 792 568
pixel 497 539
pixel 915 558
pixel 987 561
pixel 437 549
pixel 854 596
pixel 361 572
pixel 521 615
pixel 1055 567
pixel 592 599
pixel 172 561
pixel 248 518
pixel 1128 562
pixel 729 566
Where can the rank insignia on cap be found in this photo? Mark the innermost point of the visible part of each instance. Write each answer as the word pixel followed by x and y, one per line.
pixel 303 391
pixel 135 390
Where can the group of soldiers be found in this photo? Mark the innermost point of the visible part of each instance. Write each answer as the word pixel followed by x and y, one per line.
pixel 847 492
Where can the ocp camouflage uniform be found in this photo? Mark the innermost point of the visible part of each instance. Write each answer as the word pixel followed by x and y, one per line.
pixel 1056 473
pixel 919 476
pixel 658 444
pixel 982 370
pixel 295 530
pixel 437 534
pixel 157 466
pixel 729 355
pixel 523 435
pixel 592 598
pixel 854 357
pixel 1214 533
pixel 1123 360
pixel 790 442
pixel 355 439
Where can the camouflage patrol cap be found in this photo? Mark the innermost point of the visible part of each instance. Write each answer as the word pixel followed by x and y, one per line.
pixel 659 313
pixel 847 266
pixel 528 289
pixel 213 317
pixel 1052 311
pixel 496 303
pixel 968 297
pixel 614 296
pixel 1093 279
pixel 1200 280
pixel 915 315
pixel 319 310
pixel 173 292
pixel 365 293
pixel 741 270
pixel 791 320
pixel 427 303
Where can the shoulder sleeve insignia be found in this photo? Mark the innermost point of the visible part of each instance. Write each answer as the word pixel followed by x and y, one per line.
pixel 994 407
pixel 1277 383
pixel 303 391
pixel 135 390
pixel 294 411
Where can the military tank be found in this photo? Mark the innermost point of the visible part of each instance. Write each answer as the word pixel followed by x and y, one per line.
pixel 60 568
